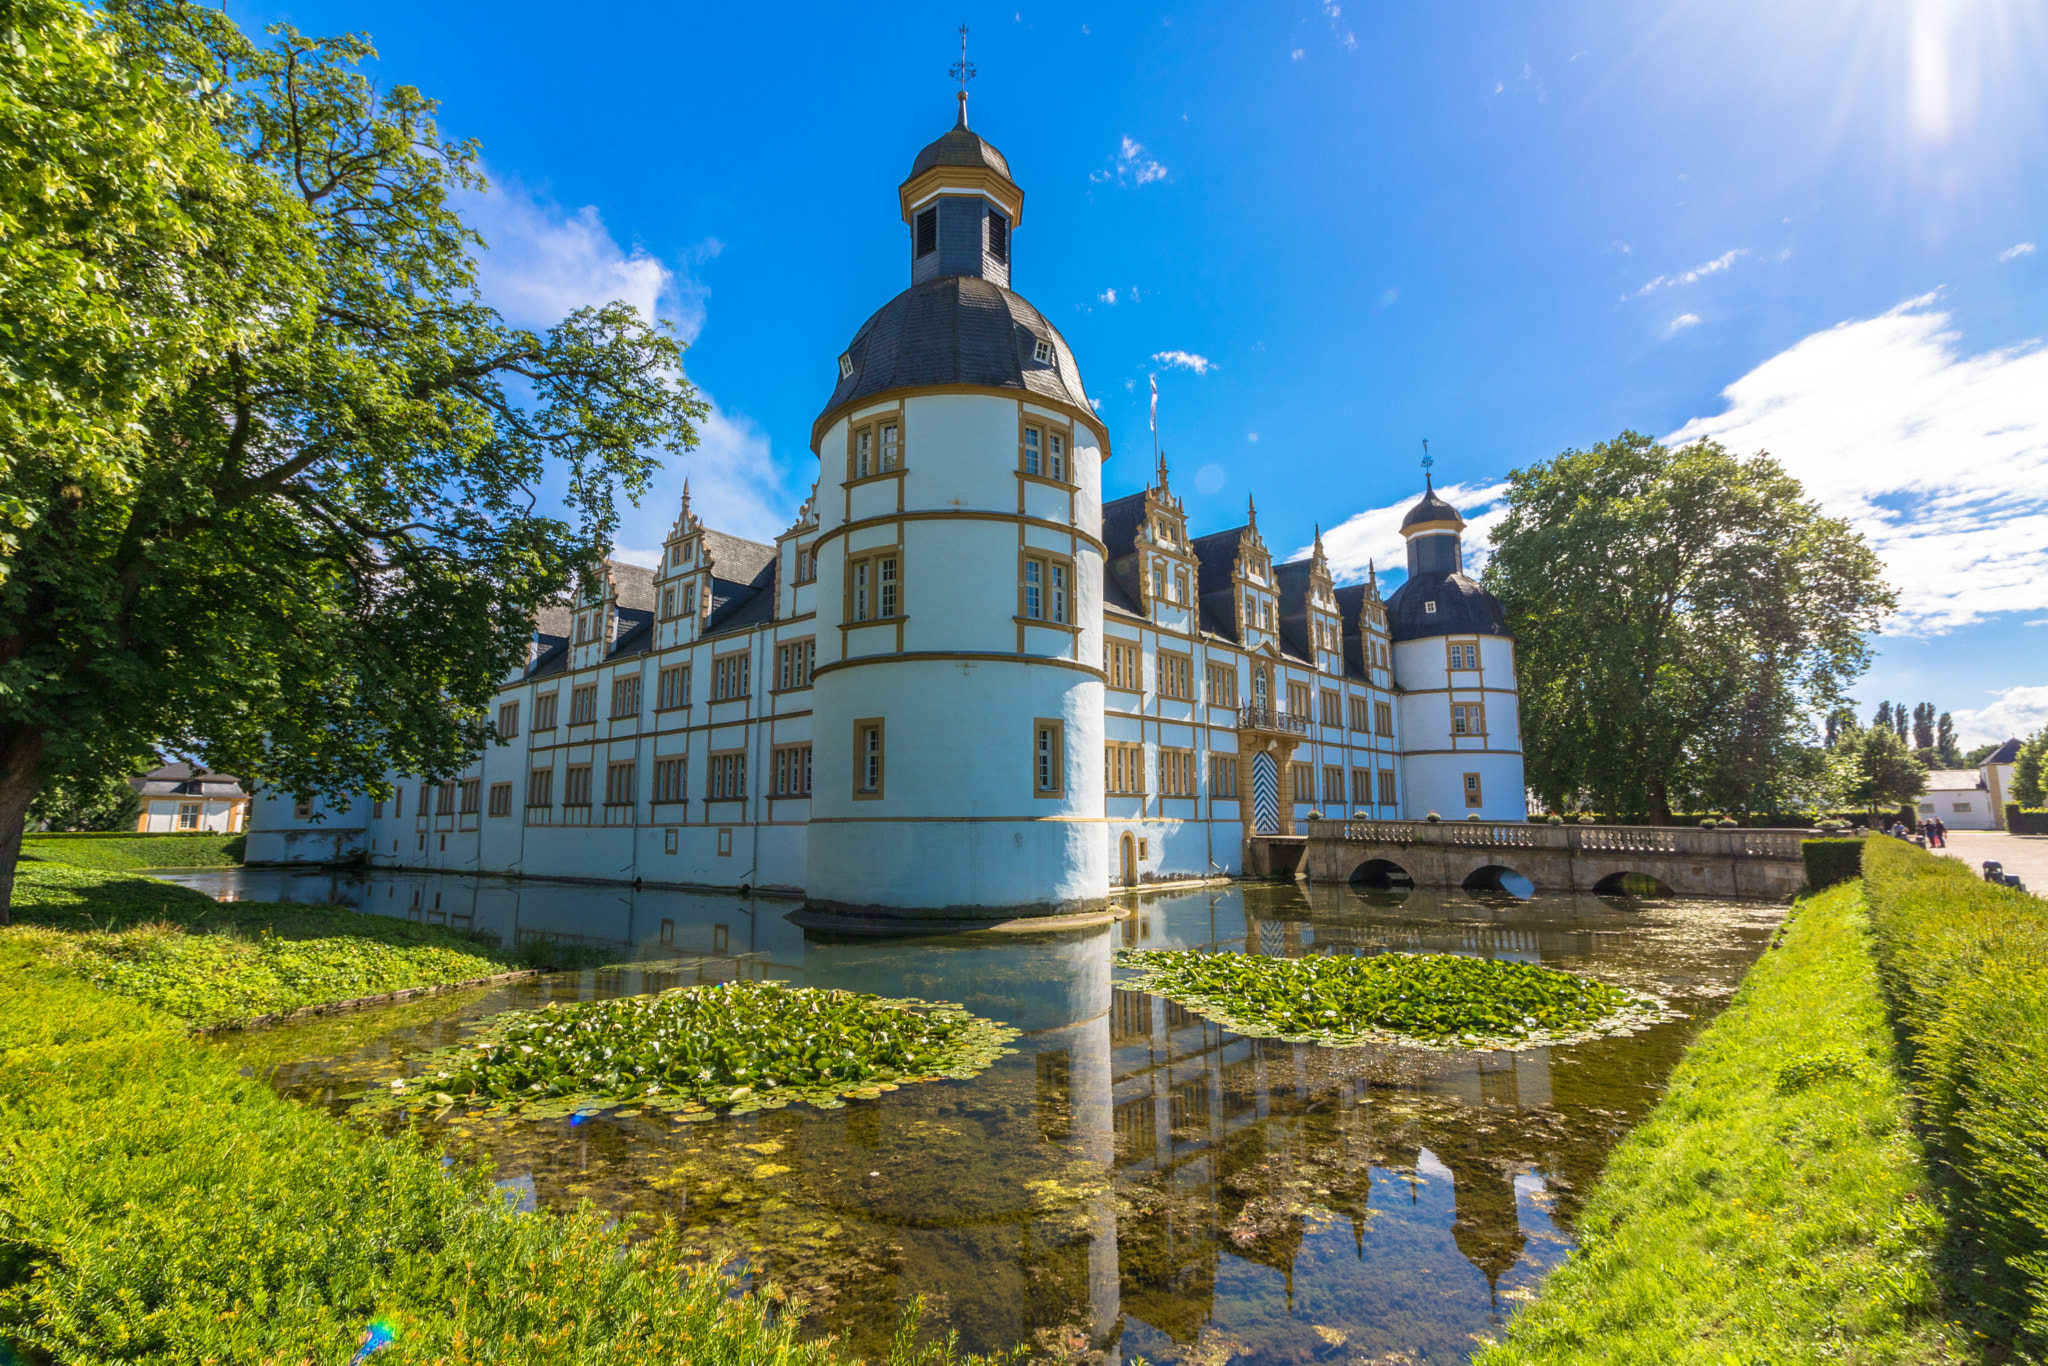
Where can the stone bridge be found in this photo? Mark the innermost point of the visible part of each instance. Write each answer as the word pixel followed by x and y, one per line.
pixel 1557 858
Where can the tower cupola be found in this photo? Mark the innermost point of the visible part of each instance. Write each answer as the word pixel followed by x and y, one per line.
pixel 961 207
pixel 1433 530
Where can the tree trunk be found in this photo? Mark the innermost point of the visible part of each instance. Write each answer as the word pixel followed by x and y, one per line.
pixel 1660 801
pixel 21 763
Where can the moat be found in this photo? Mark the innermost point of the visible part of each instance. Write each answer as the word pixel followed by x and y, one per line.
pixel 1132 1181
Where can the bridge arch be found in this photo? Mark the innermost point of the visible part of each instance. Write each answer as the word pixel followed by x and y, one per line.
pixel 1498 877
pixel 1632 882
pixel 1381 873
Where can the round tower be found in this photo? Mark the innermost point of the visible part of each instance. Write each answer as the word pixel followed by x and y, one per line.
pixel 1454 671
pixel 957 721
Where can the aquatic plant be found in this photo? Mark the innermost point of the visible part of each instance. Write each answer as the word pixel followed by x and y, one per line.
pixel 746 1045
pixel 1439 1000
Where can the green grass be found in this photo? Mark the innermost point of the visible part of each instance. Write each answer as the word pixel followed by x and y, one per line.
pixel 1775 1206
pixel 156 1206
pixel 135 851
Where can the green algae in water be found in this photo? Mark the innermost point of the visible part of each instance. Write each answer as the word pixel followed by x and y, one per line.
pixel 1437 1000
pixel 745 1045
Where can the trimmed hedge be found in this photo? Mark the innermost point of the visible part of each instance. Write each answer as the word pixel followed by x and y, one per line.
pixel 1964 965
pixel 1831 861
pixel 2025 820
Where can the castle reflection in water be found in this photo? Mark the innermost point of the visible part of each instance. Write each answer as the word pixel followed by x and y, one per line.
pixel 1133 1179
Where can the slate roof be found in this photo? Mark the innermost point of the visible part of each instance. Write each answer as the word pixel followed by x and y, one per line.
pixel 960 329
pixel 1120 522
pixel 1955 780
pixel 186 780
pixel 1432 508
pixel 1462 607
pixel 2007 753
pixel 958 147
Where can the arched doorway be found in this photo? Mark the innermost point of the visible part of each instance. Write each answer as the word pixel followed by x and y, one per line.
pixel 1265 794
pixel 1130 861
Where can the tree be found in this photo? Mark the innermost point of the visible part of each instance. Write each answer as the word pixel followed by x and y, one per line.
pixel 108 802
pixel 1923 726
pixel 316 548
pixel 1840 721
pixel 1945 743
pixel 1883 718
pixel 1683 617
pixel 1886 774
pixel 1978 755
pixel 2029 781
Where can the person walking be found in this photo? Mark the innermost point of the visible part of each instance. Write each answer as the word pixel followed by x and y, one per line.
pixel 1940 833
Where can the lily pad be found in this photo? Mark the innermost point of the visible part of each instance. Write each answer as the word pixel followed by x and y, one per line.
pixel 744 1045
pixel 1437 1000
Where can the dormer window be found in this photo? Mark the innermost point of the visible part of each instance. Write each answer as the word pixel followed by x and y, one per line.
pixel 846 365
pixel 999 237
pixel 1429 608
pixel 1041 351
pixel 928 232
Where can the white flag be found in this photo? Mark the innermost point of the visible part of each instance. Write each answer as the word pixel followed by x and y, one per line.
pixel 1155 403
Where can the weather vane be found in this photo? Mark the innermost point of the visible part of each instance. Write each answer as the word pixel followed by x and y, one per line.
pixel 1427 463
pixel 963 70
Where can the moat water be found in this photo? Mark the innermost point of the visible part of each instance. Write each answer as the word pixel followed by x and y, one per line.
pixel 1132 1181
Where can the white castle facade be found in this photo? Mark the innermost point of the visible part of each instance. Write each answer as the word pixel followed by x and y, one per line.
pixel 960 685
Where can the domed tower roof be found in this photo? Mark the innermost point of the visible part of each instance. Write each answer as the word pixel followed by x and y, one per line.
pixel 1431 507
pixel 959 147
pixel 1438 598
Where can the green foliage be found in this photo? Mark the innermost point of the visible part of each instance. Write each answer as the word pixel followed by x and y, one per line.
pixel 1965 970
pixel 1680 616
pixel 126 851
pixel 1831 861
pixel 747 1045
pixel 1978 755
pixel 87 801
pixel 1775 1206
pixel 2030 771
pixel 160 1207
pixel 2021 822
pixel 308 547
pixel 1444 1000
pixel 1885 773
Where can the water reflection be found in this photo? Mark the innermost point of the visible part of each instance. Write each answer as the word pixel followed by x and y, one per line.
pixel 1133 1180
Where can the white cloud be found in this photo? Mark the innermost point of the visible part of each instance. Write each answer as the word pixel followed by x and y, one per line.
pixel 1185 360
pixel 1297 55
pixel 1681 322
pixel 544 261
pixel 1108 296
pixel 1375 534
pixel 2013 253
pixel 1686 277
pixel 1939 459
pixel 2013 712
pixel 1132 166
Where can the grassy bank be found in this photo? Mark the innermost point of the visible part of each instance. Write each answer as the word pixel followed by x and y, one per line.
pixel 135 851
pixel 1775 1206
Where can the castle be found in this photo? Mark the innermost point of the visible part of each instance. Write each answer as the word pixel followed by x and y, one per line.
pixel 961 685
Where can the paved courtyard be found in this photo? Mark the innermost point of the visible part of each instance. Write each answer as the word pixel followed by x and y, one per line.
pixel 2025 855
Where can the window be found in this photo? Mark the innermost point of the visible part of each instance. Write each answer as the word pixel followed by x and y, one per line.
pixel 668 602
pixel 1125 769
pixel 892 446
pixel 690 599
pixel 672 688
pixel 867 759
pixel 376 811
pixel 1961 808
pixel 794 662
pixel 876 448
pixel 928 232
pixel 576 785
pixel 871 587
pixel 625 696
pixel 806 564
pixel 1464 654
pixel 1048 758
pixel 729 677
pixel 540 787
pixel 188 815
pixel 1176 675
pixel 726 776
pixel 583 704
pixel 1043 593
pixel 846 365
pixel 448 796
pixel 1297 699
pixel 1472 790
pixel 1223 775
pixel 1158 580
pixel 1468 718
pixel 671 780
pixel 793 771
pixel 1333 709
pixel 397 802
pixel 1176 773
pixel 544 711
pixel 426 795
pixel 1361 787
pixel 618 784
pixel 1126 672
pixel 508 720
pixel 1034 450
pixel 1429 609
pixel 1361 714
pixel 472 795
pixel 1383 718
pixel 1041 351
pixel 1251 610
pixel 1333 786
pixel 1180 585
pixel 999 239
pixel 1222 685
pixel 501 799
pixel 1055 447
pixel 1387 787
pixel 1304 778
pixel 300 810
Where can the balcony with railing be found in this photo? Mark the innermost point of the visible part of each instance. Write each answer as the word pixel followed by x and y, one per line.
pixel 1272 722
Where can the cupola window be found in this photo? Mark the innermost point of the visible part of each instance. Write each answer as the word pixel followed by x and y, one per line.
pixel 846 366
pixel 1041 351
pixel 928 232
pixel 999 237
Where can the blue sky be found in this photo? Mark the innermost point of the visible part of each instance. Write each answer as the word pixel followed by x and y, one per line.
pixel 1332 233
